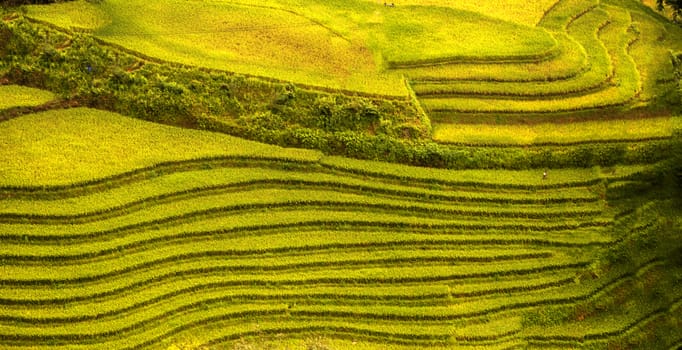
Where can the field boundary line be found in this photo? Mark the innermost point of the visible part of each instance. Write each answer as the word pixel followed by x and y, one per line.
pixel 435 209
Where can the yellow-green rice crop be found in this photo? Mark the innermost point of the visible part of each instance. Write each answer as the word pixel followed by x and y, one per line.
pixel 567 133
pixel 626 82
pixel 522 12
pixel 117 233
pixel 20 96
pixel 570 61
pixel 484 178
pixel 339 45
pixel 255 40
pixel 448 35
pixel 652 56
pixel 186 183
pixel 76 15
pixel 592 77
pixel 102 144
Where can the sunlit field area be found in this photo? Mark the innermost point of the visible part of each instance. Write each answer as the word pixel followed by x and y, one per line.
pixel 20 96
pixel 332 175
pixel 223 239
pixel 337 44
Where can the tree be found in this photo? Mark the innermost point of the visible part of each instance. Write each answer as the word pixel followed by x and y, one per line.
pixel 674 5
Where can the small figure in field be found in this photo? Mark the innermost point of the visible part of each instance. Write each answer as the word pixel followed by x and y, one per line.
pixel 544 174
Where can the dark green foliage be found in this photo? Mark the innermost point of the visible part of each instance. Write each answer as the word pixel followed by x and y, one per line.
pixel 334 113
pixel 10 3
pixel 674 5
pixel 78 67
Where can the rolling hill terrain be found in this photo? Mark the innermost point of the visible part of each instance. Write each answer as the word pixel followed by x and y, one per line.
pixel 537 205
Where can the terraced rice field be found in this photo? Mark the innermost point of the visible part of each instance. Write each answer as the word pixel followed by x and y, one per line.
pixel 121 234
pixel 229 243
pixel 334 44
pixel 608 63
pixel 560 61
pixel 624 130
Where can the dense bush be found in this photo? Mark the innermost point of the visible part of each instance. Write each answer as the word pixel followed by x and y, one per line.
pixel 10 3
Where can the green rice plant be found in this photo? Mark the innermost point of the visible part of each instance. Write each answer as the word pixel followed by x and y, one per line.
pixel 216 330
pixel 282 199
pixel 265 240
pixel 211 290
pixel 218 220
pixel 605 328
pixel 488 307
pixel 245 214
pixel 564 12
pixel 391 334
pixel 111 145
pixel 524 90
pixel 652 56
pixel 391 313
pixel 619 322
pixel 626 80
pixel 148 328
pixel 491 330
pixel 74 15
pixel 55 311
pixel 507 10
pixel 583 30
pixel 473 289
pixel 196 183
pixel 528 179
pixel 131 246
pixel 546 133
pixel 140 276
pixel 343 48
pixel 21 96
pixel 626 75
pixel 570 61
pixel 386 312
pixel 406 44
pixel 309 53
pixel 285 261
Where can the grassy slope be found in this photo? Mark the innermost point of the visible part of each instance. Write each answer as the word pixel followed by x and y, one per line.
pixel 118 144
pixel 104 144
pixel 316 279
pixel 590 131
pixel 616 309
pixel 647 83
pixel 335 44
pixel 20 96
pixel 508 10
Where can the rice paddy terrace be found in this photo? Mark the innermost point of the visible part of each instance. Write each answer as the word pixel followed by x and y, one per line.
pixel 609 61
pixel 110 241
pixel 555 60
pixel 117 233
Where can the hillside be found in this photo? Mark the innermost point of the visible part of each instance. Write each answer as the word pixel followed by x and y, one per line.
pixel 221 240
pixel 374 177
